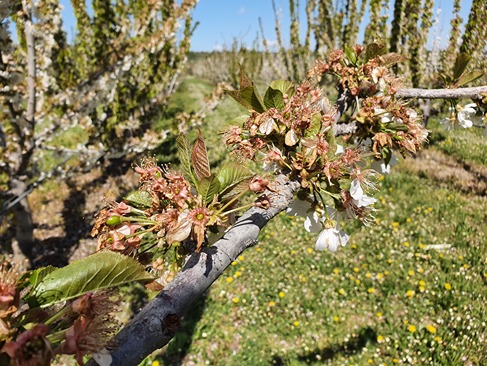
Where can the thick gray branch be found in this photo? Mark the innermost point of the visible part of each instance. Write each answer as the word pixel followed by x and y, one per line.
pixel 472 93
pixel 158 322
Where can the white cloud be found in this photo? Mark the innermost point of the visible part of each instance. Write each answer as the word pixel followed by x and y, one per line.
pixel 242 10
pixel 218 47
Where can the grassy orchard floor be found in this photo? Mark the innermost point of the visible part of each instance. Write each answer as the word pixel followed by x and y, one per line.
pixel 409 290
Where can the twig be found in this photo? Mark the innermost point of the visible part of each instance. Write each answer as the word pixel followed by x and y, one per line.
pixel 473 93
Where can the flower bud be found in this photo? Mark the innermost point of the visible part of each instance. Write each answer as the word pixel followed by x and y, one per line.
pixel 258 184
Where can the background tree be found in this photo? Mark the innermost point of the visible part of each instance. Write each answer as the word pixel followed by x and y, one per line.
pixel 107 86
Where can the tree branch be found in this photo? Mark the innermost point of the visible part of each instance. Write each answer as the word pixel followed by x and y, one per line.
pixel 158 322
pixel 473 93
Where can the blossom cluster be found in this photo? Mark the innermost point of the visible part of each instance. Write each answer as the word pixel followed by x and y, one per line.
pixel 31 336
pixel 293 131
pixel 168 218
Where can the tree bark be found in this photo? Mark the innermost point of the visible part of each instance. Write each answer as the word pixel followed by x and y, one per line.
pixel 473 93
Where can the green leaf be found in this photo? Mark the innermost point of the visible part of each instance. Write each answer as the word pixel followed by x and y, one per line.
pixel 315 126
pixel 273 98
pixel 208 187
pixel 32 278
pixel 461 63
pixel 239 121
pixel 469 77
pixel 284 86
pixel 247 95
pixel 199 158
pixel 230 175
pixel 330 138
pixel 98 271
pixel 350 53
pixel 184 156
pixel 139 199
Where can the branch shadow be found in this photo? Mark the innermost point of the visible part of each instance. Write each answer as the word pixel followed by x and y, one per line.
pixel 56 251
pixel 353 346
pixel 179 346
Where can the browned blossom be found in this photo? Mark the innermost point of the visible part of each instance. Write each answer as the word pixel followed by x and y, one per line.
pixel 94 327
pixel 31 348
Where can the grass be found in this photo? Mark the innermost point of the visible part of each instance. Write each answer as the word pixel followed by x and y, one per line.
pixel 408 290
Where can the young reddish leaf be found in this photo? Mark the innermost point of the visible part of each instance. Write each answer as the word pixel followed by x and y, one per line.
pixel 199 158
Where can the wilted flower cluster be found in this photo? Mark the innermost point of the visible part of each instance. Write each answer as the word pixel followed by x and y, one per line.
pixel 33 336
pixel 292 130
pixel 169 217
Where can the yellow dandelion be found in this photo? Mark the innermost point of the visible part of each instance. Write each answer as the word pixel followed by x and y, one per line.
pixel 358 282
pixel 293 252
pixel 420 269
pixel 336 319
pixel 408 220
pixel 371 290
pixel 370 361
pixel 380 276
pixel 368 275
pixel 395 224
pixel 234 263
pixel 447 286
pixel 390 261
pixel 296 323
pixel 377 220
pixel 235 300
pixel 155 363
pixel 356 269
pixel 437 339
pixel 336 270
pixel 281 294
pixel 431 328
pixel 405 321
pixel 380 339
pixel 395 360
pixel 410 293
pixel 422 288
pixel 241 258
pixel 412 328
pixel 354 246
pixel 406 243
pixel 342 292
pixel 465 266
pixel 259 250
pixel 379 314
pixel 310 250
pixel 238 274
pixel 229 279
pixel 386 273
pixel 272 303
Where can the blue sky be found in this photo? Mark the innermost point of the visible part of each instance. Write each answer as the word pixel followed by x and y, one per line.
pixel 222 21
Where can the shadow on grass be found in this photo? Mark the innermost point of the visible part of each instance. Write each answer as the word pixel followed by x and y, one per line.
pixel 179 346
pixel 353 346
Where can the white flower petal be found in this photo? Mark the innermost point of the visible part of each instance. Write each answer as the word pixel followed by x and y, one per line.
pixel 312 223
pixel 340 150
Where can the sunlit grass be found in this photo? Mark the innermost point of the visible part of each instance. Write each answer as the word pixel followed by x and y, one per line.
pixel 408 290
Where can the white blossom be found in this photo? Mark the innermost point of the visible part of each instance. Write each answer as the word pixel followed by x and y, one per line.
pixel 359 198
pixel 464 113
pixel 381 166
pixel 331 239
